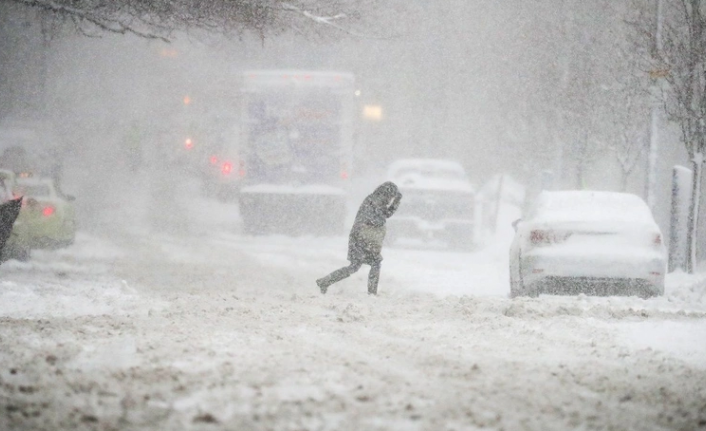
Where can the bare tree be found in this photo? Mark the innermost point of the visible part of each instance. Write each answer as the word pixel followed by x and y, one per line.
pixel 629 145
pixel 160 19
pixel 677 47
pixel 628 114
pixel 568 63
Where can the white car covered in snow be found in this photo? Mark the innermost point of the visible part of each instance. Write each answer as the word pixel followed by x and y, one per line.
pixel 438 202
pixel 591 242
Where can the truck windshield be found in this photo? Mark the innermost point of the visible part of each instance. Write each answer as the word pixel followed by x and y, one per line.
pixel 34 190
pixel 295 134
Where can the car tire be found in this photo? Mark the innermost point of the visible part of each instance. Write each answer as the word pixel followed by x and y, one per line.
pixel 22 254
pixel 517 286
pixel 16 252
pixel 532 292
pixel 514 291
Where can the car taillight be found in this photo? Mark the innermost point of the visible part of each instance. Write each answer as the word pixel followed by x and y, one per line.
pixel 226 168
pixel 543 237
pixel 657 239
pixel 540 237
pixel 213 160
pixel 48 211
pixel 189 144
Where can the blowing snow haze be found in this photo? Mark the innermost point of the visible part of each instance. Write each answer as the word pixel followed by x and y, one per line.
pixel 190 169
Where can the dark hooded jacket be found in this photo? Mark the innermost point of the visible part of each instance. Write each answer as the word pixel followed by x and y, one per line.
pixel 8 214
pixel 368 232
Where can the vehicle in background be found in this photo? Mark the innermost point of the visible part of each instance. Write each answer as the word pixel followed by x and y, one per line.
pixel 30 148
pixel 590 242
pixel 13 248
pixel 47 219
pixel 295 151
pixel 438 203
pixel 222 170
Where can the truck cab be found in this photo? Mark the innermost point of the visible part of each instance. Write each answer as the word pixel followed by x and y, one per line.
pixel 296 151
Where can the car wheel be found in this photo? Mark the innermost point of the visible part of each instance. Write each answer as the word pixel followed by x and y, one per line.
pixel 16 252
pixel 517 286
pixel 22 254
pixel 532 292
pixel 516 282
pixel 514 291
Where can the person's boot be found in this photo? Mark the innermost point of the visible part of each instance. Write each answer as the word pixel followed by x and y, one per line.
pixel 323 287
pixel 335 277
pixel 373 278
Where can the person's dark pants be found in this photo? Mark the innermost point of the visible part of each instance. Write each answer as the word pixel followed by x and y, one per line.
pixel 347 271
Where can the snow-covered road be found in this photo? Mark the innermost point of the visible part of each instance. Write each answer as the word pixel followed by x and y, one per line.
pixel 212 330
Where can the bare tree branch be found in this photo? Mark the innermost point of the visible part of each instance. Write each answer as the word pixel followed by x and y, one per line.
pixel 160 19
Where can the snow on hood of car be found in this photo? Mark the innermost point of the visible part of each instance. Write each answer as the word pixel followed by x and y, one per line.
pixel 591 206
pixel 429 174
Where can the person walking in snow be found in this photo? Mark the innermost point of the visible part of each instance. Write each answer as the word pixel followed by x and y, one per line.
pixel 366 237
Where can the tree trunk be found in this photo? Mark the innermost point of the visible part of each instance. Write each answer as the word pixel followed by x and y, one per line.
pixel 693 220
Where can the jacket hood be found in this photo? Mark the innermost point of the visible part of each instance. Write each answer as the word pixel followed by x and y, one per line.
pixel 387 190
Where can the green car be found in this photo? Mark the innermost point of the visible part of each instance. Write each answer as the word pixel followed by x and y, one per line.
pixel 47 219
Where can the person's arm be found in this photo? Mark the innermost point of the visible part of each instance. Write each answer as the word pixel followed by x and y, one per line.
pixel 370 213
pixel 393 206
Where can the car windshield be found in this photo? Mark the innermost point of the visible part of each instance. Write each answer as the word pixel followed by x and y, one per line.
pixel 33 190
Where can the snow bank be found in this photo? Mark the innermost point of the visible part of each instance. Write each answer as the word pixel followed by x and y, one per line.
pixel 69 282
pixel 689 288
pixel 683 340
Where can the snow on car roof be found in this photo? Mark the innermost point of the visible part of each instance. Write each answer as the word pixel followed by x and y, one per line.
pixel 34 181
pixel 429 174
pixel 589 205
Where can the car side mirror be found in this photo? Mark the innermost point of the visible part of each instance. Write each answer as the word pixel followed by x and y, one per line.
pixel 515 223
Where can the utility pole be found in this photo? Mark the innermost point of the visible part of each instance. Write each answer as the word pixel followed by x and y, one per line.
pixel 651 183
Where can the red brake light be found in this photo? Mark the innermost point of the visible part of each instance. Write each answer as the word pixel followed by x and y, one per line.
pixel 48 211
pixel 213 160
pixel 539 237
pixel 226 168
pixel 189 144
pixel 543 237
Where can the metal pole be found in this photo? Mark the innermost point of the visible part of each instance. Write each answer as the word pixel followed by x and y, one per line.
pixel 651 182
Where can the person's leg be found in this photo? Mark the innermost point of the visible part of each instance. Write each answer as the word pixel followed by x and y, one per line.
pixel 373 278
pixel 337 276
